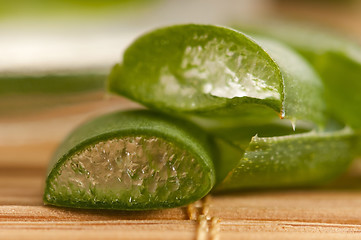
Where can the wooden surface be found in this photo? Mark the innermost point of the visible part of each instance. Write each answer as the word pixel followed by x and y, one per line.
pixel 27 142
pixel 327 213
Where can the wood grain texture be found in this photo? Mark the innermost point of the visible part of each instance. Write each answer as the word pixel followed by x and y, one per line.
pixel 331 212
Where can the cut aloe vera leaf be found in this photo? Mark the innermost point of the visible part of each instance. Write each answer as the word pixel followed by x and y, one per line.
pixel 335 58
pixel 134 160
pixel 217 72
pixel 304 159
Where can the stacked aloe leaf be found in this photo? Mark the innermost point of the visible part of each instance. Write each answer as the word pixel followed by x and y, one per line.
pixel 264 116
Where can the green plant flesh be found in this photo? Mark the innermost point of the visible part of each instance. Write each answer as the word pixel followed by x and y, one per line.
pixel 133 161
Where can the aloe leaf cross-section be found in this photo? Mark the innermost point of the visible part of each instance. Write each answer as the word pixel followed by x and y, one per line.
pixel 135 160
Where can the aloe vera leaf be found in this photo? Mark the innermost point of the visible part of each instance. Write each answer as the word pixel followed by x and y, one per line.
pixel 133 160
pixel 303 159
pixel 216 71
pixel 335 58
pixel 233 141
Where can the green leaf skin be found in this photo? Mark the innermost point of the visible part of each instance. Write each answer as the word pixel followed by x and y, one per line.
pixel 219 72
pixel 304 159
pixel 336 59
pixel 174 169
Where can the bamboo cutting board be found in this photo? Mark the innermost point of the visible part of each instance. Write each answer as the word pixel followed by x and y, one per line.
pixel 332 212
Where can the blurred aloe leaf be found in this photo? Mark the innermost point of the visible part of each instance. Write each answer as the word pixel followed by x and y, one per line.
pixel 51 83
pixel 23 93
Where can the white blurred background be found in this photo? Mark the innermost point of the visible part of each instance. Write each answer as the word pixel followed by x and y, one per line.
pixel 38 35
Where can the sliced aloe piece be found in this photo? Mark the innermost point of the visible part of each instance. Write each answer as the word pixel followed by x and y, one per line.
pixel 335 58
pixel 217 72
pixel 133 161
pixel 293 160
